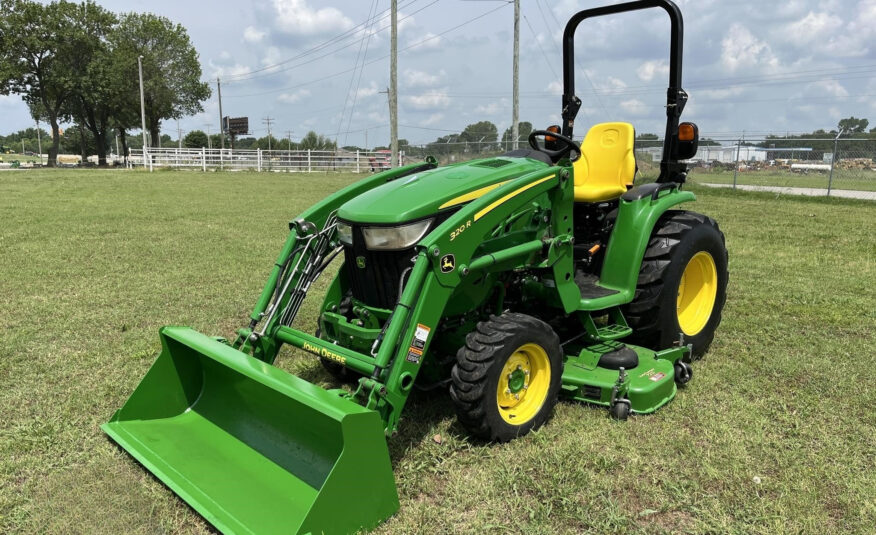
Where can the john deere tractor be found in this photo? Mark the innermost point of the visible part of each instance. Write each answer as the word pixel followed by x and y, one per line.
pixel 513 282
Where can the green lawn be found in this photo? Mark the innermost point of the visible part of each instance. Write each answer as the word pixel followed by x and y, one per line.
pixel 842 179
pixel 775 434
pixel 20 157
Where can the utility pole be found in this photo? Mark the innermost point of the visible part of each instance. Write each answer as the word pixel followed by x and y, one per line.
pixel 178 135
pixel 209 141
pixel 221 126
pixel 142 104
pixel 515 88
pixel 833 159
pixel 268 120
pixel 40 142
pixel 393 85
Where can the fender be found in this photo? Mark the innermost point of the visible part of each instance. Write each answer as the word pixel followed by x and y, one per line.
pixel 639 210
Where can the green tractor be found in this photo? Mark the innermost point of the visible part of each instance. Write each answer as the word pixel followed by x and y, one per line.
pixel 512 281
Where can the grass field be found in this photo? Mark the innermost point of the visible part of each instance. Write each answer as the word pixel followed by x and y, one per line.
pixel 775 434
pixel 842 179
pixel 20 157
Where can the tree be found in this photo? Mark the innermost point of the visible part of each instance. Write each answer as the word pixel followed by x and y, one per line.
pixel 484 133
pixel 195 139
pixel 94 84
pixel 314 141
pixel 171 70
pixel 524 128
pixel 37 51
pixel 852 125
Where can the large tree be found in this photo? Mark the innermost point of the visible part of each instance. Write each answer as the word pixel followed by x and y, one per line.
pixel 94 102
pixel 171 70
pixel 195 139
pixel 36 54
pixel 483 134
pixel 853 125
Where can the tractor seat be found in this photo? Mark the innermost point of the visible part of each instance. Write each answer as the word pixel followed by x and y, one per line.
pixel 607 165
pixel 624 357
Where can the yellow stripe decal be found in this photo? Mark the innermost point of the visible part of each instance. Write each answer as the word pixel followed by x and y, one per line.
pixel 486 210
pixel 472 195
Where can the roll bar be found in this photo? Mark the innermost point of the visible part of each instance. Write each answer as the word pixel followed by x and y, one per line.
pixel 676 97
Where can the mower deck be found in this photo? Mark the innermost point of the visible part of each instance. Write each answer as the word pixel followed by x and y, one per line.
pixel 648 386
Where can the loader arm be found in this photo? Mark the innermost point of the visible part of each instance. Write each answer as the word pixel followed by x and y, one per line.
pixel 445 257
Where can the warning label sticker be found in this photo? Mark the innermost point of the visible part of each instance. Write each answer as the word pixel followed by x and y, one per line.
pixel 658 376
pixel 414 355
pixel 420 337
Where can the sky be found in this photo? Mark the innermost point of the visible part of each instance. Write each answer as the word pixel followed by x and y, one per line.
pixel 750 66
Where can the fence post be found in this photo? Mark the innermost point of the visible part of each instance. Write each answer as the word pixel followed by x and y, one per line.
pixel 308 161
pixel 203 160
pixel 357 161
pixel 736 165
pixel 833 160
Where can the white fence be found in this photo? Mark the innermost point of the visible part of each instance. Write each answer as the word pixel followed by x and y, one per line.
pixel 304 161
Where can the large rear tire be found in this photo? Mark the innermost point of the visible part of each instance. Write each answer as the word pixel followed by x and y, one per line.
pixel 507 377
pixel 682 284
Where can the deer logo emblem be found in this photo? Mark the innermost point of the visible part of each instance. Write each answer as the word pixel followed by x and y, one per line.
pixel 448 263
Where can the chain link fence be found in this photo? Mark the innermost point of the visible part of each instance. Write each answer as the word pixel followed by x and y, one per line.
pixel 841 167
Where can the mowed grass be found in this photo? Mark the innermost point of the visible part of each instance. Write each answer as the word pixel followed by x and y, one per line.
pixel 845 179
pixel 775 434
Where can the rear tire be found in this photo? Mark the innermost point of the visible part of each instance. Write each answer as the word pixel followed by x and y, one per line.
pixel 682 284
pixel 507 377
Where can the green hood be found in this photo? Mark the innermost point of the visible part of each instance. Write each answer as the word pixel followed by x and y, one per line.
pixel 428 192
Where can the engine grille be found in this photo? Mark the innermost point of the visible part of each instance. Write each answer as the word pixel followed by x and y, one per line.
pixel 374 275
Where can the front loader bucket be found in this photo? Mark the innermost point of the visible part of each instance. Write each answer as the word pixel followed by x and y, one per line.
pixel 252 448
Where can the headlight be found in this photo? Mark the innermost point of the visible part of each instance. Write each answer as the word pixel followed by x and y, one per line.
pixel 395 238
pixel 345 233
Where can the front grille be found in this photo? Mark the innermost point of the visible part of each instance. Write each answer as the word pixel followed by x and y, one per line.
pixel 374 275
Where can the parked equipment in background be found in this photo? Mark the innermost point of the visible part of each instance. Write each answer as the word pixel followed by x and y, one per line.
pixel 514 282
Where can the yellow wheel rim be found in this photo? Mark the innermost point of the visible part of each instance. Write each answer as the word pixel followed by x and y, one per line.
pixel 523 384
pixel 696 293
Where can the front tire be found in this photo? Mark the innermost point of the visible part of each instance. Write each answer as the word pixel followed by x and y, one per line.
pixel 507 377
pixel 682 284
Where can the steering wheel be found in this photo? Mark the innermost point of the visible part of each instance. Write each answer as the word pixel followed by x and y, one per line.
pixel 568 144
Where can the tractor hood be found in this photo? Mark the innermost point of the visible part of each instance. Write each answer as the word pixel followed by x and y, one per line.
pixel 429 192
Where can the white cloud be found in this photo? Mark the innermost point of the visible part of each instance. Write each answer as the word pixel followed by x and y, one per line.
pixel 298 18
pixel 634 107
pixel 426 41
pixel 435 118
pixel 227 70
pixel 741 49
pixel 252 35
pixel 492 108
pixel 813 27
pixel 555 87
pixel 293 97
pixel 829 88
pixel 368 91
pixel 433 100
pixel 650 69
pixel 414 78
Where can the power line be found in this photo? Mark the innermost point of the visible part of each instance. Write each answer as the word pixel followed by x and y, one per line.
pixel 332 40
pixel 355 66
pixel 412 45
pixel 246 77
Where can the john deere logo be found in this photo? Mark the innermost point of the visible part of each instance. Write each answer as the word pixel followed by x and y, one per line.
pixel 448 263
pixel 360 261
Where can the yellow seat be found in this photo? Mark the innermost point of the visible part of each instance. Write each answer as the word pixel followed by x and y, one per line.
pixel 607 165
